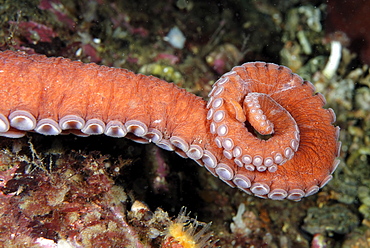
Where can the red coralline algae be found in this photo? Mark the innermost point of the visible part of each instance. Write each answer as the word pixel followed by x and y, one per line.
pixel 75 204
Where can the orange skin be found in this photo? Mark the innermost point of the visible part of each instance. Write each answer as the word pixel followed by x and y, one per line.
pixel 52 88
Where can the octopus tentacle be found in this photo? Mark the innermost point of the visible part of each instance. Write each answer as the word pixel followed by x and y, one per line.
pixel 259 109
pixel 263 130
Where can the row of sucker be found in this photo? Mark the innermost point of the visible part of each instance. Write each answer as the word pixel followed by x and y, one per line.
pixel 232 151
pixel 265 160
pixel 238 156
pixel 24 121
pixel 20 121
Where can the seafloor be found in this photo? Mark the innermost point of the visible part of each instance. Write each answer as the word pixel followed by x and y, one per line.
pixel 69 191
